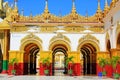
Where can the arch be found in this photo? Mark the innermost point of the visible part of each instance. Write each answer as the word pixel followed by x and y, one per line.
pixel 88 39
pixel 31 38
pixel 30 58
pixel 88 47
pixel 32 46
pixel 57 51
pixel 88 52
pixel 61 41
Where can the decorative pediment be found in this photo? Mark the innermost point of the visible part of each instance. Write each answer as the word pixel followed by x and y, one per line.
pixel 88 37
pixel 61 37
pixel 31 37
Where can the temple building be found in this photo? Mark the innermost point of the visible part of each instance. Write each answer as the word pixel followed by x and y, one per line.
pixel 30 39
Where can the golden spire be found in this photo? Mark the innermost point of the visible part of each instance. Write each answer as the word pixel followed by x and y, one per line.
pixel 22 12
pixel 99 9
pixel 73 6
pixel 46 7
pixel 31 15
pixel 106 8
pixel 15 3
pixel 1 4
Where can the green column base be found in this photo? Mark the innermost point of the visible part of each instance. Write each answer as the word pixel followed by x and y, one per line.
pixel 5 65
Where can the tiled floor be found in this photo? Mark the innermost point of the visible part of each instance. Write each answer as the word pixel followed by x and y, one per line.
pixel 52 78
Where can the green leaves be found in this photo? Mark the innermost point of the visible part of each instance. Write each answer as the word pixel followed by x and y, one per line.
pixel 102 62
pixel 114 61
pixel 68 60
pixel 46 61
pixel 13 61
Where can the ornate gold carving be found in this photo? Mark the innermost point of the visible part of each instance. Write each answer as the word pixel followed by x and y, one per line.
pixel 60 36
pixel 106 8
pixel 31 38
pixel 60 39
pixel 88 39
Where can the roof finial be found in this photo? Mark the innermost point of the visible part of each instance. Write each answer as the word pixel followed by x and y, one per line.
pixel 99 9
pixel 15 3
pixel 73 6
pixel 1 4
pixel 46 7
pixel 106 5
pixel 106 8
pixel 22 12
pixel 31 14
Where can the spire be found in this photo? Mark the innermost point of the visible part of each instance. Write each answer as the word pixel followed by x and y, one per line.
pixel 46 7
pixel 15 3
pixel 31 15
pixel 99 9
pixel 1 4
pixel 73 6
pixel 106 3
pixel 22 12
pixel 106 8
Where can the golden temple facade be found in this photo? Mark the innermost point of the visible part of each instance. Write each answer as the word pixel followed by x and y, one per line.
pixel 32 38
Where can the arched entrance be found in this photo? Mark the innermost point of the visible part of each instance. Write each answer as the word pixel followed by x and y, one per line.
pixel 30 58
pixel 59 56
pixel 1 59
pixel 89 59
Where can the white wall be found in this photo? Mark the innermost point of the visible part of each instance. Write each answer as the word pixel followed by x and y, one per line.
pixel 16 38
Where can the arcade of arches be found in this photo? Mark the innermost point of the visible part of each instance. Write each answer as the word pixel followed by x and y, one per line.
pixel 33 38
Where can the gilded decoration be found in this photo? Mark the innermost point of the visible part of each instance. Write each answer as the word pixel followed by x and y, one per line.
pixel 88 39
pixel 31 38
pixel 48 19
pixel 60 40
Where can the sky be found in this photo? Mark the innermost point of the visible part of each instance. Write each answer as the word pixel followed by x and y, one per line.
pixel 58 7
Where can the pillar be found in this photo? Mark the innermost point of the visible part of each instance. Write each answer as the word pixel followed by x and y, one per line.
pixel 108 68
pixel 77 65
pixel 45 54
pixel 6 46
pixel 19 67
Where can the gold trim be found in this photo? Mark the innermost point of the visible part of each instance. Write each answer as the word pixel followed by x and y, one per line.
pixel 60 39
pixel 31 38
pixel 88 39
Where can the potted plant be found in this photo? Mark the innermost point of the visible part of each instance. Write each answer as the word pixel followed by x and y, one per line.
pixel 69 60
pixel 46 64
pixel 114 62
pixel 103 62
pixel 13 61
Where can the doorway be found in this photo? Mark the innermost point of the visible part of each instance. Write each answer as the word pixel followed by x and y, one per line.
pixel 58 58
pixel 89 59
pixel 30 59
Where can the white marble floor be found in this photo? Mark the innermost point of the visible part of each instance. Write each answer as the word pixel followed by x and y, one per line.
pixel 53 78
